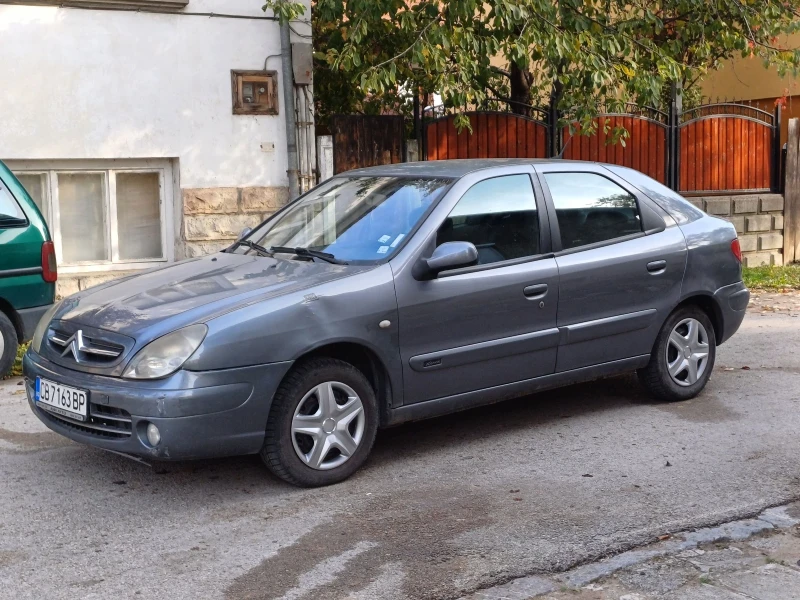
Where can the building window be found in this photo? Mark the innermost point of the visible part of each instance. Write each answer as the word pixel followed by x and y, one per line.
pixel 103 218
pixel 254 92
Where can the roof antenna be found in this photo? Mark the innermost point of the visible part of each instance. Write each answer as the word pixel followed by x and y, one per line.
pixel 564 149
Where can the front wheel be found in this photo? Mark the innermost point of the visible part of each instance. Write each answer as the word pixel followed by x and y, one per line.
pixel 683 356
pixel 322 423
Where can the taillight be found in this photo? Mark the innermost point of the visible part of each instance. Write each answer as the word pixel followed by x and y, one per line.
pixel 736 249
pixel 49 266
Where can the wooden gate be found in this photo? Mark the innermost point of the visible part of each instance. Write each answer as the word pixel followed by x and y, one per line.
pixel 646 148
pixel 728 146
pixel 494 135
pixel 367 141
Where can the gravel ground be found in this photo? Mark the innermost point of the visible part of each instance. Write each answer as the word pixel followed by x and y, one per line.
pixel 444 508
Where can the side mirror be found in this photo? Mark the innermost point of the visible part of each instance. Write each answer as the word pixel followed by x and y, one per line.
pixel 245 232
pixel 450 255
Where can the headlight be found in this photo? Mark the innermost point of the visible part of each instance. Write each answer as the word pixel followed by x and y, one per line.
pixel 167 354
pixel 41 328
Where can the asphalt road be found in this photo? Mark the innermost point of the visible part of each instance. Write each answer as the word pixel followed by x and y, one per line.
pixel 444 507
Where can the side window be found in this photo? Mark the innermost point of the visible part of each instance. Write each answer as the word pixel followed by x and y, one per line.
pixel 11 214
pixel 499 216
pixel 591 209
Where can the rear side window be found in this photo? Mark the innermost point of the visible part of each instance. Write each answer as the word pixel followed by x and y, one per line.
pixel 591 209
pixel 11 214
pixel 499 216
pixel 678 207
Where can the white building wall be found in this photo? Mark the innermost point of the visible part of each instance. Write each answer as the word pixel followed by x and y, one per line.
pixel 82 84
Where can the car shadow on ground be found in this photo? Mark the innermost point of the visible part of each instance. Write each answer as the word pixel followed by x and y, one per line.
pixel 527 412
pixel 417 439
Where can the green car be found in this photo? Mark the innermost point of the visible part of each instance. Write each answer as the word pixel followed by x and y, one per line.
pixel 27 267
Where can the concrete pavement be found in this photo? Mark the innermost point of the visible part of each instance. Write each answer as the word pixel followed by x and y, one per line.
pixel 444 508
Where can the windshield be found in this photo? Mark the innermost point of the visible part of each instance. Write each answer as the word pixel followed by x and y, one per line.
pixel 352 218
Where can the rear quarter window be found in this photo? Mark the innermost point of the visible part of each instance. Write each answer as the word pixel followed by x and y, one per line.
pixel 11 214
pixel 676 205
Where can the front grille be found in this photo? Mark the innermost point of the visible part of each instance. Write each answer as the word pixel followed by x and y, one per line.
pixel 103 421
pixel 83 348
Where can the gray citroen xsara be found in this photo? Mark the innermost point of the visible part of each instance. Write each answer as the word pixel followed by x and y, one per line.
pixel 391 294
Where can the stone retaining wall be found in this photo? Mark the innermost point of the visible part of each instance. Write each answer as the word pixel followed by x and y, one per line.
pixel 214 217
pixel 758 219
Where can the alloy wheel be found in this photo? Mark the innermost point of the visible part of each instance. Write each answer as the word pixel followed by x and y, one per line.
pixel 328 425
pixel 687 352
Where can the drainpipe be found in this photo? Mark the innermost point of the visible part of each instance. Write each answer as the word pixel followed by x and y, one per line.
pixel 288 103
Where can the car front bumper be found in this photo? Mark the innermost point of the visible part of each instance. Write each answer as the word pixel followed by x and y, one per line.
pixel 198 414
pixel 732 301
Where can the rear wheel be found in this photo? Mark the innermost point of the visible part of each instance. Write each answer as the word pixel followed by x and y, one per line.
pixel 683 356
pixel 8 345
pixel 322 423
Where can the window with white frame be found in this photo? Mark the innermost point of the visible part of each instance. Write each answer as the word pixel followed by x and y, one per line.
pixel 103 218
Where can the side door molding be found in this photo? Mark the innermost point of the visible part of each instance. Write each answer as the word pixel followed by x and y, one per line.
pixel 599 328
pixel 492 349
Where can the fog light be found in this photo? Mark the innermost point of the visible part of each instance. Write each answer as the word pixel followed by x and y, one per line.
pixel 153 435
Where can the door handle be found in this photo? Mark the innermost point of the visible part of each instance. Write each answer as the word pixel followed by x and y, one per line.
pixel 536 291
pixel 657 266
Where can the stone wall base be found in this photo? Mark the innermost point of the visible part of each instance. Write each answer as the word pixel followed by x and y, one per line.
pixel 69 284
pixel 758 219
pixel 214 217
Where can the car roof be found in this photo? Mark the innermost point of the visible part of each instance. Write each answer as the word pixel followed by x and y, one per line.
pixel 451 168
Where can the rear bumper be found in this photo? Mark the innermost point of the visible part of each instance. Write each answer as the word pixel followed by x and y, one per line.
pixel 199 415
pixel 30 318
pixel 732 301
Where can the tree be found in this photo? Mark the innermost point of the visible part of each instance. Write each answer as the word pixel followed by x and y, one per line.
pixel 587 55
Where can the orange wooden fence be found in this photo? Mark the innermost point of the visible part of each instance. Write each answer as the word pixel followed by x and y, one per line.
pixel 717 147
pixel 645 148
pixel 494 135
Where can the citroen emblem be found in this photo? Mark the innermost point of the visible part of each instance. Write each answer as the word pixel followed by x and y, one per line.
pixel 75 345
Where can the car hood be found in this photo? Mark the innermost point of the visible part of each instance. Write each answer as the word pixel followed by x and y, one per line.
pixel 193 290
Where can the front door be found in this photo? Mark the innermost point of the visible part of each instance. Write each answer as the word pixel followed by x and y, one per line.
pixel 620 264
pixel 493 323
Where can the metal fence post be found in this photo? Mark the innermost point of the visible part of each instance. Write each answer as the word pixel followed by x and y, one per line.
pixel 673 147
pixel 554 145
pixel 775 155
pixel 418 125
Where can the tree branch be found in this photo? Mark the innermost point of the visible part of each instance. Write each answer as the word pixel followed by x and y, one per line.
pixel 407 50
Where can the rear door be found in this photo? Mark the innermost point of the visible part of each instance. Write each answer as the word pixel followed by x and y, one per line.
pixel 493 323
pixel 620 260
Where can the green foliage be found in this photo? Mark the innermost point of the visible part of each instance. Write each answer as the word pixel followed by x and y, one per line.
pixel 16 368
pixel 772 278
pixel 593 54
pixel 285 10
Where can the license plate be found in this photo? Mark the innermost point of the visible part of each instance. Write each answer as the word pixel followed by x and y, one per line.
pixel 61 399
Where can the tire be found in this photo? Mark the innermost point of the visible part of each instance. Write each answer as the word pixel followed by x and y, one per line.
pixel 689 381
pixel 342 436
pixel 8 345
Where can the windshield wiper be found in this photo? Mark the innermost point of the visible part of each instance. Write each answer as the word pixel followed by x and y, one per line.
pixel 327 257
pixel 252 245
